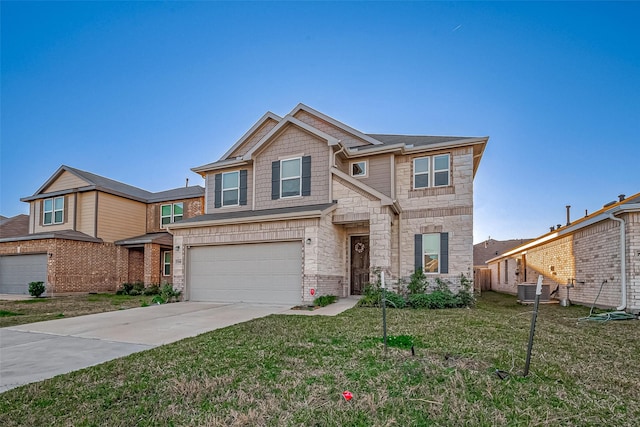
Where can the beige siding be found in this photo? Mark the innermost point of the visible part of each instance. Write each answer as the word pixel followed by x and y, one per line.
pixel 346 139
pixel 254 138
pixel 67 223
pixel 65 181
pixel 120 218
pixel 293 142
pixel 211 197
pixel 378 173
pixel 85 219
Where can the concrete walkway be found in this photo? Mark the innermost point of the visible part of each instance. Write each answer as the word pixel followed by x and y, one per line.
pixel 37 351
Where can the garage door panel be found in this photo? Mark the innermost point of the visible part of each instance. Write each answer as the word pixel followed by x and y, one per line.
pixel 261 273
pixel 17 271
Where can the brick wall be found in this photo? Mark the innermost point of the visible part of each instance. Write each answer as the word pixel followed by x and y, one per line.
pixel 191 207
pixel 587 258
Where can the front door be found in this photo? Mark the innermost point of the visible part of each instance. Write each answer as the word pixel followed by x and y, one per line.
pixel 359 264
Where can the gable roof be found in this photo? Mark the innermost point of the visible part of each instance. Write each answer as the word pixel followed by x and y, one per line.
pixel 267 116
pixel 490 248
pixel 107 185
pixel 631 204
pixel 15 226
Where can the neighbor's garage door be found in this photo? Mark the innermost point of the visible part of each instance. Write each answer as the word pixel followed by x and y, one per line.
pixel 17 271
pixel 257 273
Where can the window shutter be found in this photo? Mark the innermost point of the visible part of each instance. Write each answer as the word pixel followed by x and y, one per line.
pixel 444 253
pixel 275 180
pixel 418 252
pixel 306 176
pixel 217 190
pixel 243 187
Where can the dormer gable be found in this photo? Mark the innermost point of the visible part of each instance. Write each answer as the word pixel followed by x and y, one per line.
pixel 265 124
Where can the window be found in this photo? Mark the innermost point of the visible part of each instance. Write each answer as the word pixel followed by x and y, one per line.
pixel 230 188
pixel 53 211
pixel 432 252
pixel 170 213
pixel 506 271
pixel 166 263
pixel 359 168
pixel 290 177
pixel 431 171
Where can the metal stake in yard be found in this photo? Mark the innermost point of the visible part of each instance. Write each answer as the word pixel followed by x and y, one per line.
pixel 534 317
pixel 384 311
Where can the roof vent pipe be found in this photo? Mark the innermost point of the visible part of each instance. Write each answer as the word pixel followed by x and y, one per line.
pixel 568 215
pixel 621 197
pixel 558 226
pixel 551 228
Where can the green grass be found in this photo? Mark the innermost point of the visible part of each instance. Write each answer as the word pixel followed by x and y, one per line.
pixel 40 309
pixel 292 370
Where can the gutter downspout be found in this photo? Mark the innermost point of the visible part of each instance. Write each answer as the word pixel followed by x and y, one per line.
pixel 623 261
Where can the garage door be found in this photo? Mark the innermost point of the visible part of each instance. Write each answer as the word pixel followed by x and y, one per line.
pixel 256 273
pixel 18 270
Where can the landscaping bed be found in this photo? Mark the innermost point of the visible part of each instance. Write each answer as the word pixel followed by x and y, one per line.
pixel 293 370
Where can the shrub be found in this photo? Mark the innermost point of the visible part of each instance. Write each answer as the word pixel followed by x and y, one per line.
pixel 325 300
pixel 36 289
pixel 394 300
pixel 417 283
pixel 169 294
pixel 125 289
pixel 151 290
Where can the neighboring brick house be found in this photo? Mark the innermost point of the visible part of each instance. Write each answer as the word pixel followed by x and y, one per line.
pixel 484 251
pixel 599 253
pixel 304 205
pixel 88 233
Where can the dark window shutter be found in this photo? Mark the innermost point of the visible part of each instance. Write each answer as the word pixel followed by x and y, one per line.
pixel 275 180
pixel 217 190
pixel 306 176
pixel 418 252
pixel 444 253
pixel 243 187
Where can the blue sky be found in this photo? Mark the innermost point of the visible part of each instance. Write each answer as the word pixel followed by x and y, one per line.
pixel 141 92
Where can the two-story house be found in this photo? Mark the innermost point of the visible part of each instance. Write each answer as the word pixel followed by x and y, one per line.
pixel 304 205
pixel 88 233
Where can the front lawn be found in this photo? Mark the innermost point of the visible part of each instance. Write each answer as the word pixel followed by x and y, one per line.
pixel 14 313
pixel 292 370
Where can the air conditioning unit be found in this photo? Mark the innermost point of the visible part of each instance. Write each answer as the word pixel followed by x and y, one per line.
pixel 527 292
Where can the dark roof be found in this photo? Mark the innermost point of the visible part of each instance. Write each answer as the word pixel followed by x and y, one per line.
pixel 15 226
pixel 482 252
pixel 415 140
pixel 62 234
pixel 249 214
pixel 97 182
pixel 161 238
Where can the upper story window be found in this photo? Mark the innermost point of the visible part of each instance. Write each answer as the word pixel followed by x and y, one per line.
pixel 291 177
pixel 170 213
pixel 53 211
pixel 231 188
pixel 431 171
pixel 359 168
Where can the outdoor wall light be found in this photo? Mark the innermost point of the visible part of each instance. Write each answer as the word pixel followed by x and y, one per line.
pixel 309 241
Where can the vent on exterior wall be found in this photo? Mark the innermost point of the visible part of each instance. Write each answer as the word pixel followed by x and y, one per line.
pixel 527 292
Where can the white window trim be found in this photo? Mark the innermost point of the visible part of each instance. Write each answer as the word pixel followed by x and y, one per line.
pixel 299 178
pixel 164 263
pixel 366 169
pixel 439 253
pixel 222 189
pixel 52 211
pixel 172 215
pixel 432 171
pixel 448 170
pixel 428 172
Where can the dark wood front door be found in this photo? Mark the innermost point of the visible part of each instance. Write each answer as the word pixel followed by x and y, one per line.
pixel 359 264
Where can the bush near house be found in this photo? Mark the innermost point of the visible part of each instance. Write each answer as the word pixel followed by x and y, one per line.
pixel 36 289
pixel 162 294
pixel 325 300
pixel 419 292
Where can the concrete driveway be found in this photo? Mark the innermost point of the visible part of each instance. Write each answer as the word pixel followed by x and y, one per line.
pixel 37 351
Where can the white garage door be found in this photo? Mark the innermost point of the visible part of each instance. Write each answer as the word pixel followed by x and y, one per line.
pixel 256 273
pixel 17 271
